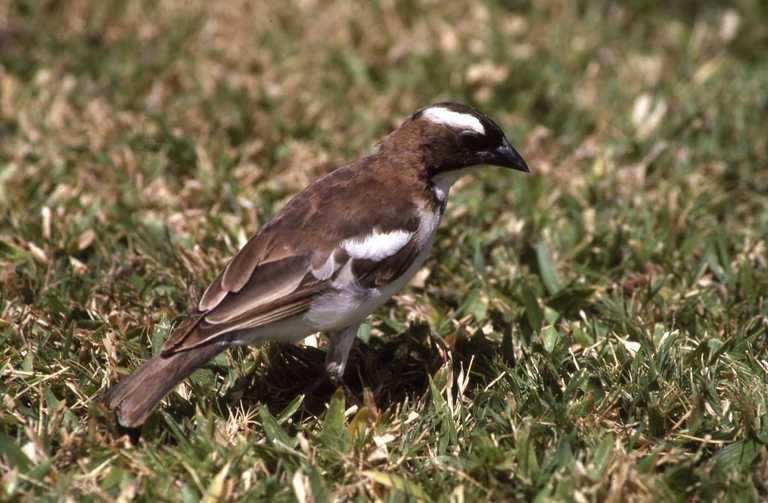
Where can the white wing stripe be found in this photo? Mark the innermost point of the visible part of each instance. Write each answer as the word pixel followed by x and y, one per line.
pixel 377 245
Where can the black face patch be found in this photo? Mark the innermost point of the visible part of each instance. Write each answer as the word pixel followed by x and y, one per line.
pixel 474 142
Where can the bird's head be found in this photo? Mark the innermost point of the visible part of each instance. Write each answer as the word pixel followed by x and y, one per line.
pixel 451 137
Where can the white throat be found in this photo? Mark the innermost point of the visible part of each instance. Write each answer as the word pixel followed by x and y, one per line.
pixel 444 181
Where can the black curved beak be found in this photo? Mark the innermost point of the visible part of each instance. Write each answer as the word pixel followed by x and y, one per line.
pixel 507 156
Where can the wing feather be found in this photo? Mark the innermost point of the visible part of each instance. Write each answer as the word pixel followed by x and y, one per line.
pixel 275 280
pixel 185 338
pixel 240 270
pixel 213 294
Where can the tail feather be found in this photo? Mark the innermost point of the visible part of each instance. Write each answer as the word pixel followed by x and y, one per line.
pixel 136 396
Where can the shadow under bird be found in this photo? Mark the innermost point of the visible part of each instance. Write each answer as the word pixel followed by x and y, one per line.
pixel 333 255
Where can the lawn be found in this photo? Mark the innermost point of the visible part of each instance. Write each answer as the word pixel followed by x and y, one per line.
pixel 597 330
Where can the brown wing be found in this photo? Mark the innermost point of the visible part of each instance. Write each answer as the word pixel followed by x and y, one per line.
pixel 275 290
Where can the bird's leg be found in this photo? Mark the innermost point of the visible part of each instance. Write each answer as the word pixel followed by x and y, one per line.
pixel 336 359
pixel 338 354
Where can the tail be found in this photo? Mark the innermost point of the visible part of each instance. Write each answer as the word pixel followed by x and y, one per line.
pixel 136 396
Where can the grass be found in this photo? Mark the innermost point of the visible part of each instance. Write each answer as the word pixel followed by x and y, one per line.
pixel 594 331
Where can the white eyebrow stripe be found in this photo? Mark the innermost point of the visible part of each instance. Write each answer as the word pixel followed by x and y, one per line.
pixel 377 245
pixel 440 115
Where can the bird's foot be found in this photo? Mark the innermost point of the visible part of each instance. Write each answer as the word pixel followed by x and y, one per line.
pixel 339 382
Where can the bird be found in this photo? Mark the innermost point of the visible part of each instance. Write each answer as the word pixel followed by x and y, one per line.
pixel 335 253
